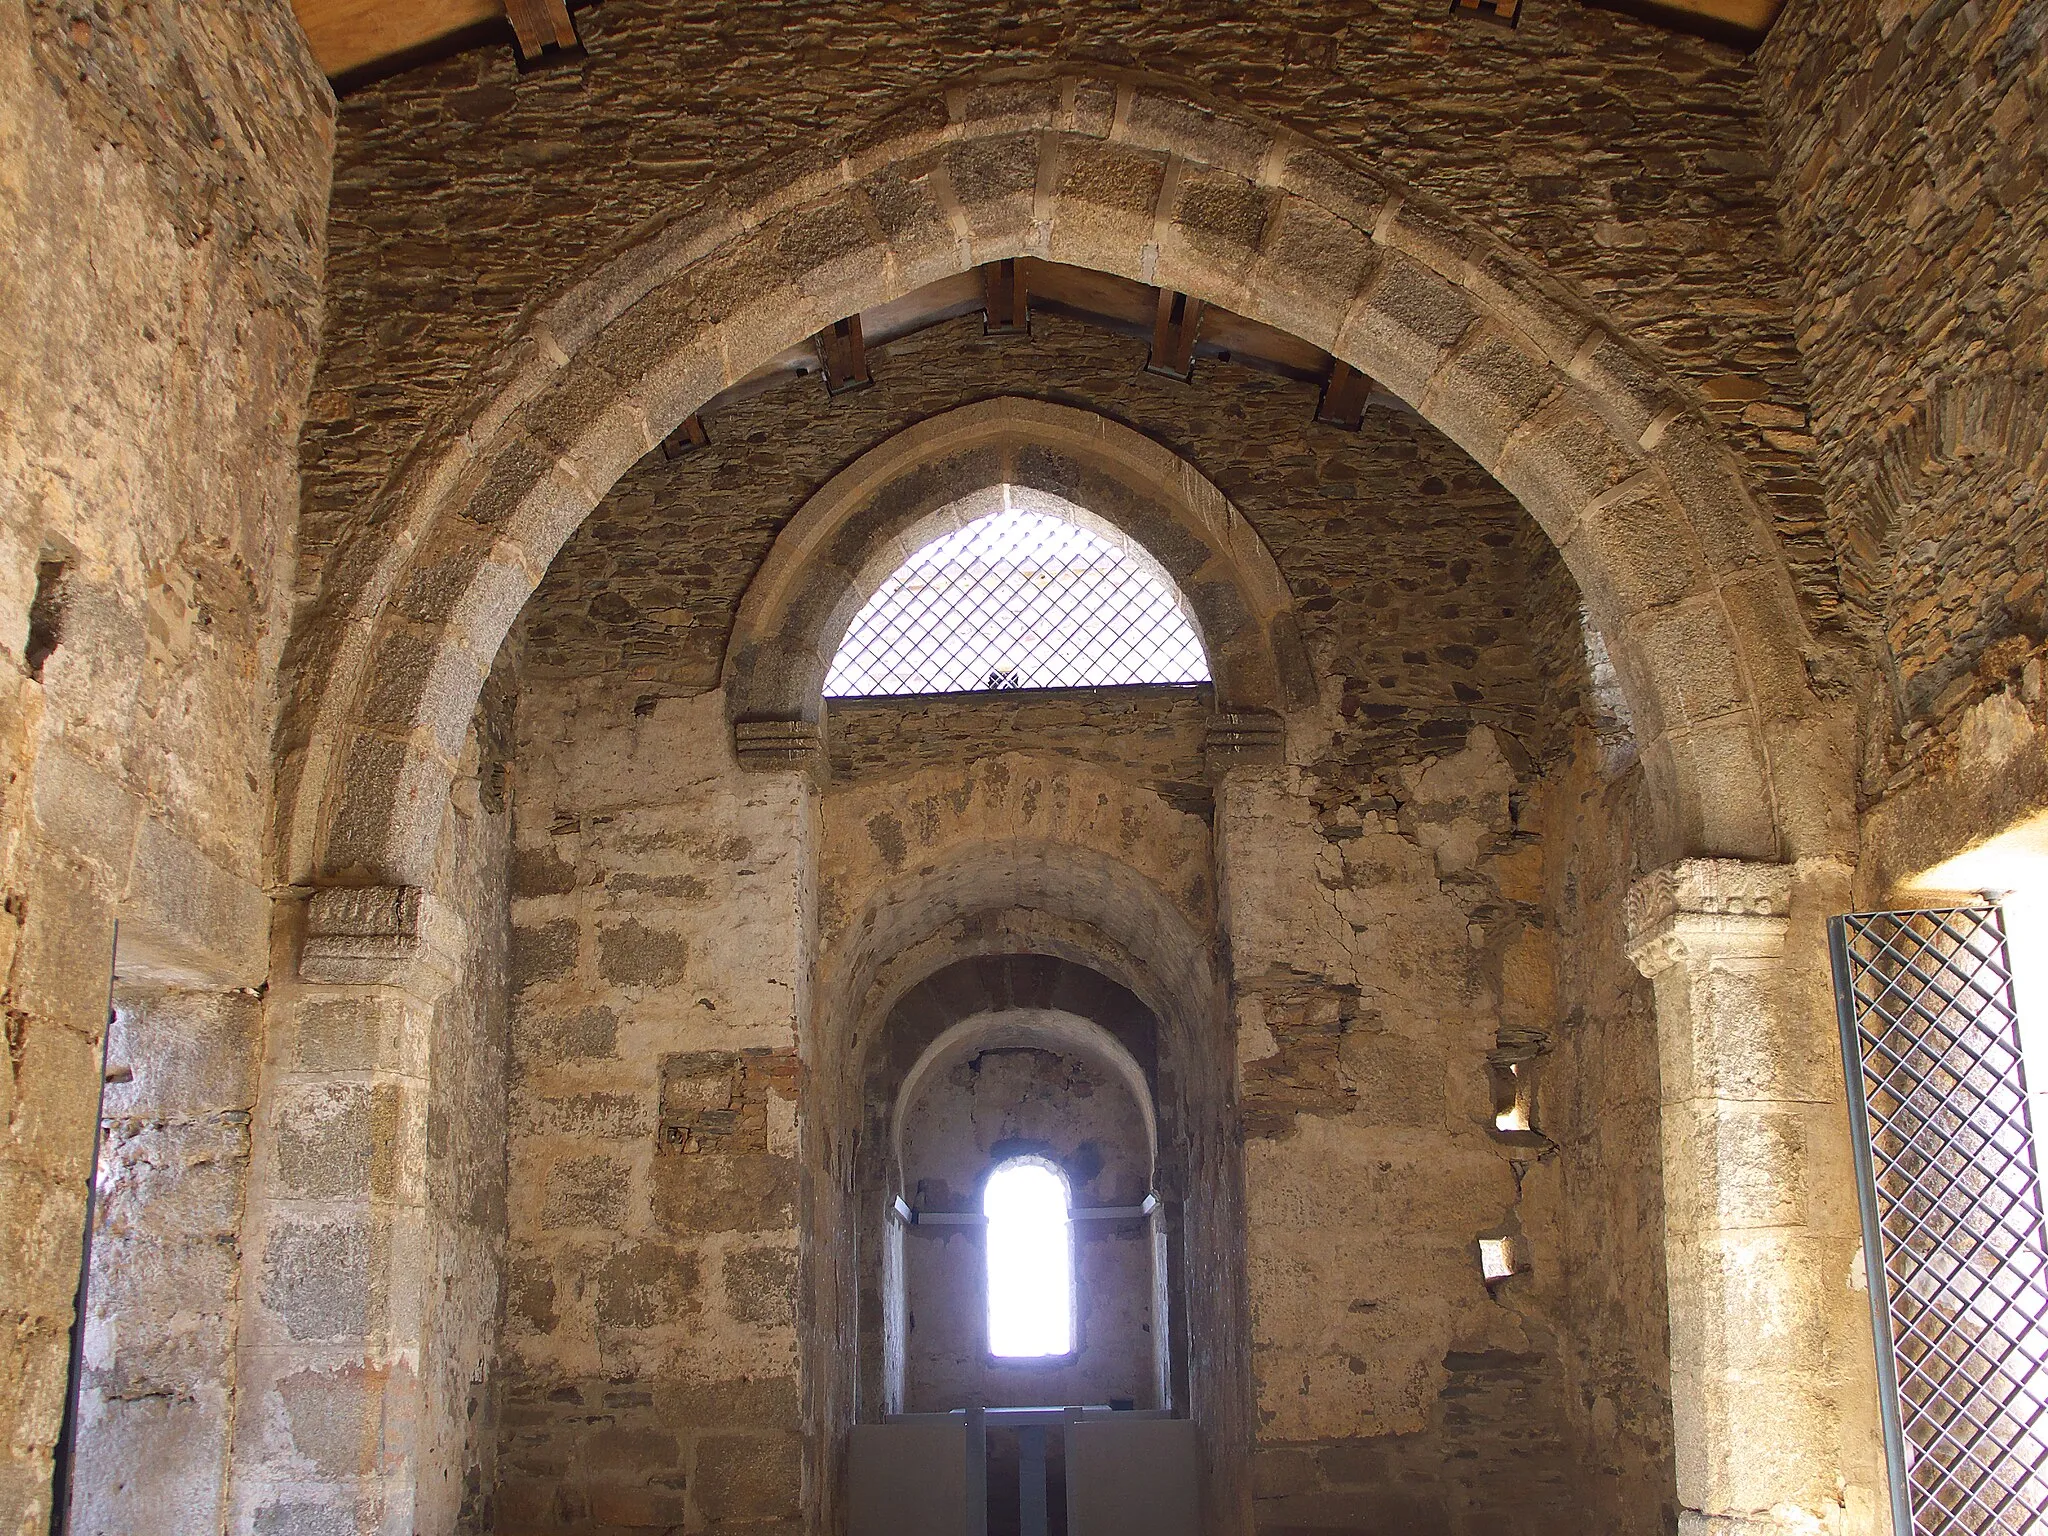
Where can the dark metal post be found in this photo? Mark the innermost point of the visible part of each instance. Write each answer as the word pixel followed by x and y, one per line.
pixel 66 1452
pixel 1873 1245
pixel 1031 1500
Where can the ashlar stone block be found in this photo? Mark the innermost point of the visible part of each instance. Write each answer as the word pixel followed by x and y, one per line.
pixel 1106 198
pixel 1407 320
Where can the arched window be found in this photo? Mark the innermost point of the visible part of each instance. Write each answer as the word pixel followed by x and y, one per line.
pixel 1030 1262
pixel 1025 597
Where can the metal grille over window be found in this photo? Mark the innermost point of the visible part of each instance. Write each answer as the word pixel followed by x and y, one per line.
pixel 1020 598
pixel 1952 1215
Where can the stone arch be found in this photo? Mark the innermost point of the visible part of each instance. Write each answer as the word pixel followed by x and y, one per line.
pixel 1145 180
pixel 864 521
pixel 884 830
pixel 1053 1027
pixel 988 1002
pixel 1031 920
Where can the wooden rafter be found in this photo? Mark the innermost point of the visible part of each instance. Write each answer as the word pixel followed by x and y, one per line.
pixel 687 438
pixel 1006 301
pixel 540 24
pixel 1506 12
pixel 1344 395
pixel 1175 329
pixel 845 356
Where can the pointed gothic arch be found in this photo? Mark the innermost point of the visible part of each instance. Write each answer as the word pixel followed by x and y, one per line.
pixel 860 524
pixel 1599 442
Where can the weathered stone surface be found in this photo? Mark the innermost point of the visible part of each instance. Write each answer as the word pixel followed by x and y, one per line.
pixel 654 1184
pixel 1908 171
pixel 1410 884
pixel 163 184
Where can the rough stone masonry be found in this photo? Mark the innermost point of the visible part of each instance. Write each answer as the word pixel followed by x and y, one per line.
pixel 532 997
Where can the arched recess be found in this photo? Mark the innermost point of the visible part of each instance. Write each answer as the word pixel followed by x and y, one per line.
pixel 871 516
pixel 1006 924
pixel 996 1020
pixel 1131 176
pixel 1001 1002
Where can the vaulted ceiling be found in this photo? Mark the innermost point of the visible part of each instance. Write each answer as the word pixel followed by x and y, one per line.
pixel 358 40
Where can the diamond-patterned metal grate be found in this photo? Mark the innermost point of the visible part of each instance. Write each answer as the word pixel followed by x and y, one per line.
pixel 1019 599
pixel 1952 1215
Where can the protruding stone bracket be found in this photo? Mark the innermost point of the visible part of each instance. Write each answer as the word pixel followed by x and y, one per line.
pixel 778 746
pixel 380 935
pixel 1708 907
pixel 1243 738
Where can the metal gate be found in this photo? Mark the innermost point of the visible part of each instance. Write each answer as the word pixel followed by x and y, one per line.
pixel 1952 1216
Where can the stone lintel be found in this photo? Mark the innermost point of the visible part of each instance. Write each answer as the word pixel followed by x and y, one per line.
pixel 1243 738
pixel 380 935
pixel 1701 909
pixel 771 746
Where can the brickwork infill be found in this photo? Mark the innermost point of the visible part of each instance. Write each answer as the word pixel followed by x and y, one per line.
pixel 1628 159
pixel 1428 599
pixel 717 1101
pixel 1913 139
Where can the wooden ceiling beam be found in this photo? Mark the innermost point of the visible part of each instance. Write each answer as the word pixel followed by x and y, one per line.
pixel 350 37
pixel 358 40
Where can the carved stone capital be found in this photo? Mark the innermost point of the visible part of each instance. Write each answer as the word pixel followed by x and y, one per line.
pixel 1706 908
pixel 380 935
pixel 1243 738
pixel 769 746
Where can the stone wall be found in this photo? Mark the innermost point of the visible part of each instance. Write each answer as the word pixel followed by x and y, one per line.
pixel 1428 598
pixel 1597 1096
pixel 1385 952
pixel 1155 733
pixel 163 181
pixel 659 964
pixel 1629 159
pixel 156 1400
pixel 1912 137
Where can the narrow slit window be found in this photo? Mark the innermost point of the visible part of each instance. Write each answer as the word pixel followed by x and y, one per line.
pixel 1020 598
pixel 1030 1262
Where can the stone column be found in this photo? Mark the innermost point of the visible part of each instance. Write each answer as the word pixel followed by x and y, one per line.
pixel 337 1234
pixel 1210 1234
pixel 1766 1386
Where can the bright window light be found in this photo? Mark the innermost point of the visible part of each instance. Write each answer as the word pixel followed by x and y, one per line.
pixel 1019 599
pixel 2014 865
pixel 1030 1263
pixel 1496 1258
